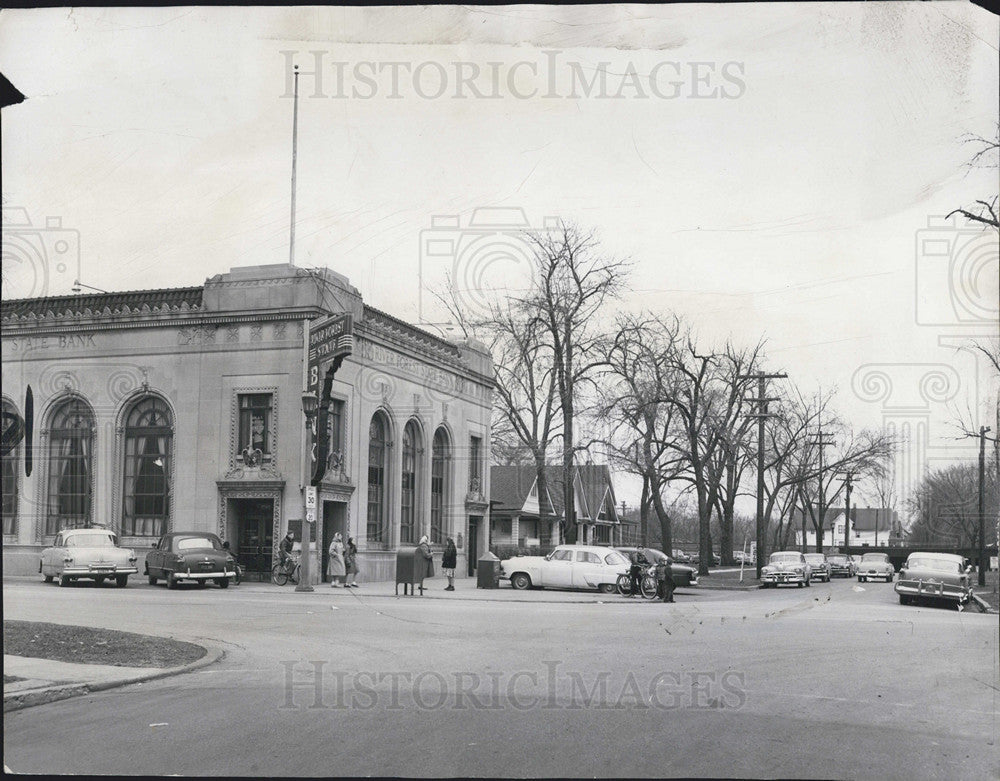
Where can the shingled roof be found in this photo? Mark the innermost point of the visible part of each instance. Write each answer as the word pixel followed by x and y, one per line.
pixel 510 486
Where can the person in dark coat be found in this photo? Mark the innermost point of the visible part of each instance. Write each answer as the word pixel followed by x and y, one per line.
pixel 425 557
pixel 665 578
pixel 448 562
pixel 639 564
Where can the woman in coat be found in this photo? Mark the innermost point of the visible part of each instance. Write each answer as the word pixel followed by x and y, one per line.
pixel 335 567
pixel 425 557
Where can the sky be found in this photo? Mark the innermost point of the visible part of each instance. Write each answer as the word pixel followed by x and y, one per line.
pixel 771 171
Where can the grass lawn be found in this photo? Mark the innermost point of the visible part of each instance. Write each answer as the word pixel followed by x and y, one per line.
pixel 85 645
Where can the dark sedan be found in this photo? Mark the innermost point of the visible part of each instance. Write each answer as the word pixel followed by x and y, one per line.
pixel 935 576
pixel 194 556
pixel 683 575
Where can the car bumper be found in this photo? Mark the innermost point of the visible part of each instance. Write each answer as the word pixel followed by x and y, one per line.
pixel 920 588
pixel 93 572
pixel 185 575
pixel 873 574
pixel 783 577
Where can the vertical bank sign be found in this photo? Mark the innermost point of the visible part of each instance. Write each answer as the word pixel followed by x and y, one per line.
pixel 329 340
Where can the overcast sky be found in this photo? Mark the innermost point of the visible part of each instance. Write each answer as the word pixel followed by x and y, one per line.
pixel 770 170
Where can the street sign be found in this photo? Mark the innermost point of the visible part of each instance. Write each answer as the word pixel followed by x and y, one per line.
pixel 310 504
pixel 329 338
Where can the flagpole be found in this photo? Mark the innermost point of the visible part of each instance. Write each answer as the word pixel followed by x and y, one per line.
pixel 295 138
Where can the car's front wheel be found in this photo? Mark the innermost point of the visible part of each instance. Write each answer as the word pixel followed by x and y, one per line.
pixel 520 581
pixel 171 580
pixel 607 588
pixel 98 581
pixel 151 579
pixel 121 581
pixel 64 581
pixel 222 582
pixel 49 578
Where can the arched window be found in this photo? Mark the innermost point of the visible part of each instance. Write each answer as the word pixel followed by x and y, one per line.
pixel 439 476
pixel 408 505
pixel 71 447
pixel 377 446
pixel 10 465
pixel 148 448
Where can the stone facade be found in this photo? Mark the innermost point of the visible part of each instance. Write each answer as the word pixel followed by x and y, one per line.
pixel 215 374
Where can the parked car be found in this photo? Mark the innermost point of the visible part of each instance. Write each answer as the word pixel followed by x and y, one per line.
pixel 197 556
pixel 682 574
pixel 944 576
pixel 712 562
pixel 91 553
pixel 742 557
pixel 788 566
pixel 680 557
pixel 567 566
pixel 819 565
pixel 841 565
pixel 875 565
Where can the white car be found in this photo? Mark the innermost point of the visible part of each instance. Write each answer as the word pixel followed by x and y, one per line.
pixel 568 566
pixel 87 553
pixel 788 566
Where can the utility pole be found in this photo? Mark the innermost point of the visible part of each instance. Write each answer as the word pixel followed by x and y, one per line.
pixel 848 485
pixel 620 540
pixel 761 415
pixel 982 504
pixel 821 443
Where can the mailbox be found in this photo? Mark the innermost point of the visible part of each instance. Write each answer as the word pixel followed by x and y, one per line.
pixel 406 570
pixel 488 571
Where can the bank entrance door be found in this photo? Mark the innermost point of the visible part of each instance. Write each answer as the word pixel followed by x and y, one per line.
pixel 473 548
pixel 334 520
pixel 255 519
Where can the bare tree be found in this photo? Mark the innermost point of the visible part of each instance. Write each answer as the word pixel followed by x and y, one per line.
pixel 643 433
pixel 987 155
pixel 574 280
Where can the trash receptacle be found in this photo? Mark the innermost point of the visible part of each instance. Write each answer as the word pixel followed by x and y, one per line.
pixel 406 569
pixel 488 571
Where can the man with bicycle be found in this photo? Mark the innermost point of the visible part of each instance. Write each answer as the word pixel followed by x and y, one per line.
pixel 639 565
pixel 285 552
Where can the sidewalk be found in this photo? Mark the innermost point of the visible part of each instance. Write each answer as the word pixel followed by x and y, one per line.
pixel 466 591
pixel 44 680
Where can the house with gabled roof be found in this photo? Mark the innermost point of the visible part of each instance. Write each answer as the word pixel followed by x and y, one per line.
pixel 520 516
pixel 868 526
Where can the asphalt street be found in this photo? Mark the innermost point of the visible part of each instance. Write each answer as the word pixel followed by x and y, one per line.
pixel 834 681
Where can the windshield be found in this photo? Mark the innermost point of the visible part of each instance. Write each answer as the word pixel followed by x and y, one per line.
pixel 927 562
pixel 837 559
pixel 815 558
pixel 875 557
pixel 785 558
pixel 95 540
pixel 194 543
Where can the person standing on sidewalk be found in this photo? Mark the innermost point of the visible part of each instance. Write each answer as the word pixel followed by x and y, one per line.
pixel 351 563
pixel 665 578
pixel 425 561
pixel 448 562
pixel 335 568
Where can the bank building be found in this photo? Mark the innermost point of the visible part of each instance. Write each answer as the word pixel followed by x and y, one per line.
pixel 182 409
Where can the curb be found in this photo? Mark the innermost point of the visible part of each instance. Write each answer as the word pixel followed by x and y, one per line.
pixel 31 697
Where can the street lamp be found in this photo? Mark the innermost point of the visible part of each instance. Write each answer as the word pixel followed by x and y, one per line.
pixel 310 406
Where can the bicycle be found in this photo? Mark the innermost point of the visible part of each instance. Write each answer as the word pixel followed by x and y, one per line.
pixel 290 571
pixel 648 588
